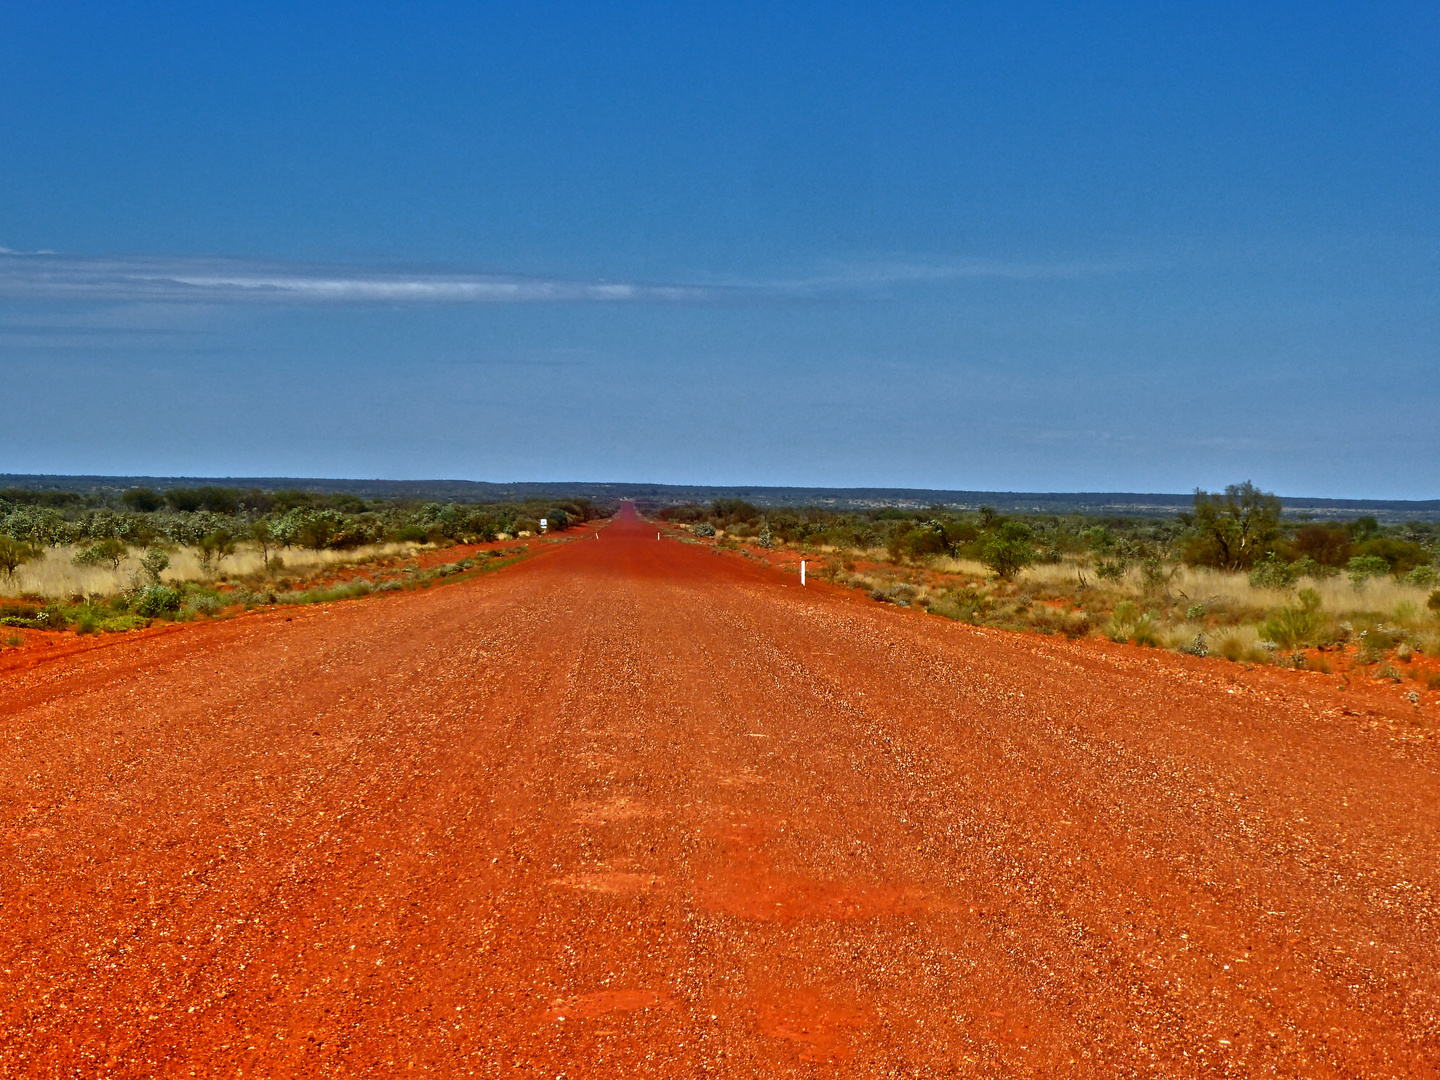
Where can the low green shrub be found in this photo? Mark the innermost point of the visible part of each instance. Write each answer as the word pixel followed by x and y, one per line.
pixel 1422 576
pixel 207 604
pixel 157 601
pixel 1273 573
pixel 1363 567
pixel 1290 627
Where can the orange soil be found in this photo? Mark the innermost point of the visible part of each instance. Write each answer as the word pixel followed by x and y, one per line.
pixel 1346 672
pixel 636 808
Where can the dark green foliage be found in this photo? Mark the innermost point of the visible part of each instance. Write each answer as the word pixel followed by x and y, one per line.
pixel 727 512
pixel 1009 549
pixel 917 539
pixel 157 601
pixel 1233 530
pixel 1399 556
pixel 215 547
pixel 109 551
pixel 1327 545
pixel 686 514
pixel 318 530
pixel 55 500
pixel 217 500
pixel 1363 567
pixel 1363 528
pixel 14 554
pixel 1110 569
pixel 143 500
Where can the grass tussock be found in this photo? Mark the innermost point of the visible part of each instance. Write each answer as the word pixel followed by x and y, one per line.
pixel 56 574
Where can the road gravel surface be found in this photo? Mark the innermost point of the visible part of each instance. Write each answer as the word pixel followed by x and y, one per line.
pixel 637 808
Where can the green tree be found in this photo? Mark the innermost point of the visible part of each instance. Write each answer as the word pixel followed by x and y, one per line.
pixel 143 500
pixel 1235 529
pixel 215 547
pixel 264 537
pixel 319 529
pixel 1009 550
pixel 109 550
pixel 154 563
pixel 14 554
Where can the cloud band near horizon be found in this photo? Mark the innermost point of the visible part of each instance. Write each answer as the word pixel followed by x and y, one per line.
pixel 54 276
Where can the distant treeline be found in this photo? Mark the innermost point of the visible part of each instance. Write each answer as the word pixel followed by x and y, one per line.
pixel 143 516
pixel 653 497
pixel 1239 529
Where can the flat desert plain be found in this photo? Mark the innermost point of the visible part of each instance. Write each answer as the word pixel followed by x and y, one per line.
pixel 633 807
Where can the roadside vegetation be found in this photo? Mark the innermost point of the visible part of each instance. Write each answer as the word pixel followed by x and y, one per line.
pixel 113 562
pixel 1232 577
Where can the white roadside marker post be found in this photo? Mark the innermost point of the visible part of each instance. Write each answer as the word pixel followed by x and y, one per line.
pixel 802 571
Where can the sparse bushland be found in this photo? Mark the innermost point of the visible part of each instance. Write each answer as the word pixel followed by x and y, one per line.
pixel 112 562
pixel 1232 578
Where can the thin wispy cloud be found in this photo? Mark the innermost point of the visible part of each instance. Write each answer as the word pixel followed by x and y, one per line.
pixel 52 276
pixel 887 272
pixel 211 281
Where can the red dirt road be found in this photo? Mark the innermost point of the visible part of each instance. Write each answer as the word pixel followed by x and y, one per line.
pixel 632 808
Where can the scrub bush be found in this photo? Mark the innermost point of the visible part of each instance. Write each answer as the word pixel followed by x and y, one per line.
pixel 157 601
pixel 1289 627
pixel 1423 576
pixel 1363 567
pixel 1273 573
pixel 1009 550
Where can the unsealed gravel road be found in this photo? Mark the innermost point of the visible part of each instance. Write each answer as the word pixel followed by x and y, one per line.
pixel 633 808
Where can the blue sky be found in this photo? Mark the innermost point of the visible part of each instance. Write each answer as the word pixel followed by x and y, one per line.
pixel 1008 246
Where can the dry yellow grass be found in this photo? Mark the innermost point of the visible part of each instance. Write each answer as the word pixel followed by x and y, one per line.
pixel 969 567
pixel 1201 586
pixel 55 575
pixel 1337 595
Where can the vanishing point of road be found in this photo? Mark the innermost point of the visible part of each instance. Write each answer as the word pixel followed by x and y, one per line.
pixel 636 808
